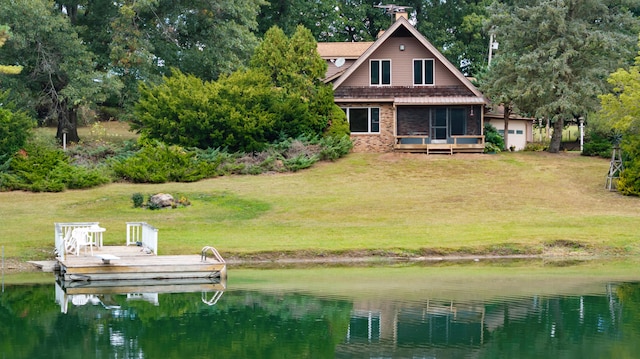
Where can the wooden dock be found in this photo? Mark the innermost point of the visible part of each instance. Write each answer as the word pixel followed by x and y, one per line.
pixel 134 263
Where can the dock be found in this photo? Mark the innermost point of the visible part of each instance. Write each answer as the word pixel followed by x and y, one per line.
pixel 82 259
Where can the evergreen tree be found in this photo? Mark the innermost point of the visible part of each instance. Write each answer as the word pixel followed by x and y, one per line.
pixel 561 52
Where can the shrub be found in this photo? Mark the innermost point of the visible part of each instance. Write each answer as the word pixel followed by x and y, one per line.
pixel 138 200
pixel 536 146
pixel 38 168
pixel 491 135
pixel 159 163
pixel 629 182
pixel 15 127
pixel 489 147
pixel 334 147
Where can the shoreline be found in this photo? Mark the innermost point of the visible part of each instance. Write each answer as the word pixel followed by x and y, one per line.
pixel 17 266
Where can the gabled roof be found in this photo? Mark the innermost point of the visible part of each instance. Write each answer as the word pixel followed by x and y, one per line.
pixel 402 22
pixel 347 50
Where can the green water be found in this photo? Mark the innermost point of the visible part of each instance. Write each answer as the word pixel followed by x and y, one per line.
pixel 497 310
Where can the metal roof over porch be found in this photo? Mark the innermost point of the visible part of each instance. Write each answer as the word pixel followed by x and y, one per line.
pixel 441 100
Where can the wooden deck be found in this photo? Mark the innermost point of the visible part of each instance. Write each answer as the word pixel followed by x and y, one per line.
pixel 134 263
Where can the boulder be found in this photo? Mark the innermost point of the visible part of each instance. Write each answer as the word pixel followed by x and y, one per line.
pixel 162 200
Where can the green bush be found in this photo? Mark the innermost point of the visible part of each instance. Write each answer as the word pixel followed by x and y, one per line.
pixel 536 146
pixel 629 182
pixel 159 163
pixel 334 147
pixel 489 147
pixel 597 145
pixel 300 162
pixel 38 168
pixel 493 137
pixel 138 200
pixel 15 127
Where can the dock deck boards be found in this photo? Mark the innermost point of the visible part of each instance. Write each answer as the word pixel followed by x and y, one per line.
pixel 134 263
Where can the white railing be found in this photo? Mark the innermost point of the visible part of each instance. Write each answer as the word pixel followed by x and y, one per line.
pixel 63 231
pixel 141 233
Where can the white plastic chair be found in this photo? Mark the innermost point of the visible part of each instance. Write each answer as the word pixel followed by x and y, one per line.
pixel 82 238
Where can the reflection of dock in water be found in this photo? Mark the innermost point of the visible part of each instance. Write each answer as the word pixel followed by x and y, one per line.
pixel 101 292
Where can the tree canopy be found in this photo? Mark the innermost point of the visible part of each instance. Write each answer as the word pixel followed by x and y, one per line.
pixel 621 110
pixel 279 95
pixel 561 52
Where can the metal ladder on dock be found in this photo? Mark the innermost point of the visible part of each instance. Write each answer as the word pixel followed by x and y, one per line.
pixel 214 253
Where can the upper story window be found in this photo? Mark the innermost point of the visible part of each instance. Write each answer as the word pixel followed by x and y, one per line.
pixel 423 71
pixel 380 72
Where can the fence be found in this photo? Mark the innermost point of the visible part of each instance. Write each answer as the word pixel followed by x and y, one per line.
pixel 142 234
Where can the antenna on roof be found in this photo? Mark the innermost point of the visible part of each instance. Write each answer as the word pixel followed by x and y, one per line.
pixel 340 61
pixel 393 8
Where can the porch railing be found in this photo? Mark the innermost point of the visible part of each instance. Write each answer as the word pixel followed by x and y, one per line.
pixel 423 143
pixel 453 140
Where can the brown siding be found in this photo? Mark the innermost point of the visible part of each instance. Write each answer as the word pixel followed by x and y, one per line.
pixel 402 64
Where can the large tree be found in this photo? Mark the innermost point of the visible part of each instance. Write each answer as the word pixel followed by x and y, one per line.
pixel 456 27
pixel 280 94
pixel 58 74
pixel 332 20
pixel 562 52
pixel 5 33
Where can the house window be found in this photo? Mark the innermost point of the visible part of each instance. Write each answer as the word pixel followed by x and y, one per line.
pixel 458 121
pixel 380 72
pixel 363 120
pixel 423 71
pixel 519 132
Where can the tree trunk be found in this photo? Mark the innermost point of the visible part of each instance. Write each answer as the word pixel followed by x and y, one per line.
pixel 505 117
pixel 67 123
pixel 556 138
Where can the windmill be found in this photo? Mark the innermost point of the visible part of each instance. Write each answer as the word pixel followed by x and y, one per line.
pixel 616 167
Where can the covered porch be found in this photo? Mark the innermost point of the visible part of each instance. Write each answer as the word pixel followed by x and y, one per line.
pixel 439 128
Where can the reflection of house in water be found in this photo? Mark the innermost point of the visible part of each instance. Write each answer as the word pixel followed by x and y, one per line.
pixel 434 323
pixel 450 329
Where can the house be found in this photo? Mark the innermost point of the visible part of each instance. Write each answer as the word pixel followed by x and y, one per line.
pixel 401 94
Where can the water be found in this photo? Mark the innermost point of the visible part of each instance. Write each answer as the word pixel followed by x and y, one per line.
pixel 531 310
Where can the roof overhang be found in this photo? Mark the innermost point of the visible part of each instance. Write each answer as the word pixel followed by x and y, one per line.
pixel 442 100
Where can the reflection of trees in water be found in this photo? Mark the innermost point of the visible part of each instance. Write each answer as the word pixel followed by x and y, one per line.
pixel 241 325
pixel 517 327
pixel 257 324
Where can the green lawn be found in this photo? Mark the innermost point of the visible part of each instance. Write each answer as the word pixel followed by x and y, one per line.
pixel 508 203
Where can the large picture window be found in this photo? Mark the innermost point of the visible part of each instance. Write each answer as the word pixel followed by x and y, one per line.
pixel 380 72
pixel 363 120
pixel 423 71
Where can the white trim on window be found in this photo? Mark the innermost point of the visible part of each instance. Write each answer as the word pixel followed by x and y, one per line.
pixel 372 119
pixel 383 77
pixel 426 66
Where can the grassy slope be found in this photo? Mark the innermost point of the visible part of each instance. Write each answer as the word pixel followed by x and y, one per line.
pixel 416 204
